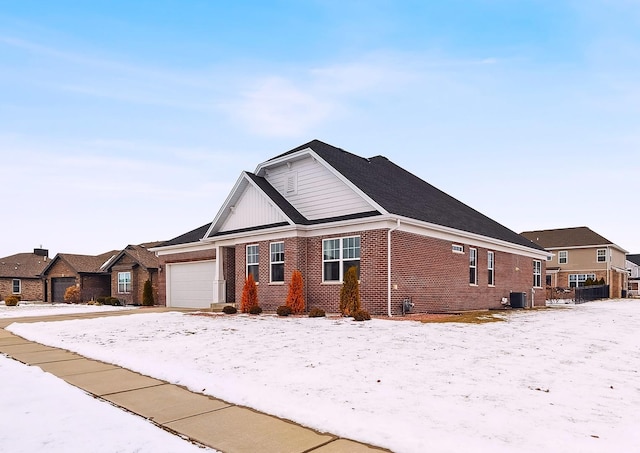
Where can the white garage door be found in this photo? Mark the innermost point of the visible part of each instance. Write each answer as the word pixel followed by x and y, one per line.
pixel 191 284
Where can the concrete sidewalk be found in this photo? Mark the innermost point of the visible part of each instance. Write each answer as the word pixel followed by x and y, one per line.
pixel 201 418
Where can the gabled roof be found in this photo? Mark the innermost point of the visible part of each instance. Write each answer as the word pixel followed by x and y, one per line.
pixel 635 259
pixel 83 264
pixel 139 254
pixel 22 265
pixel 402 193
pixel 567 237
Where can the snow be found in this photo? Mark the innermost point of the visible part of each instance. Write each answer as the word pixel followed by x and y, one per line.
pixel 24 309
pixel 43 413
pixel 561 379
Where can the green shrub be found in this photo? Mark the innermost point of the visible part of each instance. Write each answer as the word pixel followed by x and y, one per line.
pixel 147 294
pixel 100 300
pixel 316 312
pixel 11 301
pixel 112 301
pixel 255 310
pixel 350 293
pixel 284 310
pixel 361 315
pixel 229 310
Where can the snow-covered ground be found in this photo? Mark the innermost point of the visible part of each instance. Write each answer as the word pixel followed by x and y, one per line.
pixel 27 309
pixel 41 413
pixel 556 380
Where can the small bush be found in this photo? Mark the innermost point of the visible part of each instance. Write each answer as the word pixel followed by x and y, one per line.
pixel 100 300
pixel 111 301
pixel 147 294
pixel 255 310
pixel 72 295
pixel 11 301
pixel 316 312
pixel 350 293
pixel 229 310
pixel 249 295
pixel 295 296
pixel 361 315
pixel 284 310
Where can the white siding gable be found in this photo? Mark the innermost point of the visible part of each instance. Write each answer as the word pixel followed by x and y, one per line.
pixel 252 209
pixel 314 190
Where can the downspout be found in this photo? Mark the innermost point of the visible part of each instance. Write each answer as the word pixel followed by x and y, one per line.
pixel 389 266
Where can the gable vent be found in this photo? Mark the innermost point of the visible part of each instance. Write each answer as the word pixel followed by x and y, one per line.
pixel 291 187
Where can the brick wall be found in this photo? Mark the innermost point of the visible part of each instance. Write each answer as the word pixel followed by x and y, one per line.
pixel 30 289
pixel 94 286
pixel 57 270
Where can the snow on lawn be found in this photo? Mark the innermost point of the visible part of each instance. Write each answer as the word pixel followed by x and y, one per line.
pixel 43 413
pixel 32 309
pixel 558 380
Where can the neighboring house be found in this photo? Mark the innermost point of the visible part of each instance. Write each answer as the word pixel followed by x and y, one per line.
pixel 87 272
pixel 20 275
pixel 578 254
pixel 130 269
pixel 322 210
pixel 633 271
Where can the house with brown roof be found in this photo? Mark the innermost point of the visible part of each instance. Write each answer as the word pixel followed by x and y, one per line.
pixel 130 269
pixel 578 254
pixel 322 210
pixel 20 275
pixel 88 272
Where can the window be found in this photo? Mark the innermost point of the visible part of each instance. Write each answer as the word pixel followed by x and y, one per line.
pixel 124 282
pixel 563 257
pixel 473 267
pixel 253 262
pixel 601 255
pixel 16 286
pixel 491 268
pixel 457 248
pixel 277 261
pixel 537 273
pixel 338 255
pixel 577 280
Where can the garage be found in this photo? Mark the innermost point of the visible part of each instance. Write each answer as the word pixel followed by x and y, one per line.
pixel 190 285
pixel 59 286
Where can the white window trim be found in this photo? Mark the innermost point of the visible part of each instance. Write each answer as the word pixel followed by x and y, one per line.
pixel 566 257
pixel 124 282
pixel 537 273
pixel 473 253
pixel 491 266
pixel 457 248
pixel 247 264
pixel 19 286
pixel 340 259
pixel 598 260
pixel 271 263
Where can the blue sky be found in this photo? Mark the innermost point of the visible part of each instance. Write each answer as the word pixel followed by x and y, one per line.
pixel 126 122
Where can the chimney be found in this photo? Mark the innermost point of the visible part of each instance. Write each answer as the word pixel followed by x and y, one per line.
pixel 41 252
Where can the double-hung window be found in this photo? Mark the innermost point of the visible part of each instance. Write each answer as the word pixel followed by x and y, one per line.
pixel 601 255
pixel 473 266
pixel 338 255
pixel 491 264
pixel 537 273
pixel 16 286
pixel 578 280
pixel 124 282
pixel 563 257
pixel 253 261
pixel 276 261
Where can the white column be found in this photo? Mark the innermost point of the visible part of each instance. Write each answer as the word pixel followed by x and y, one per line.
pixel 219 286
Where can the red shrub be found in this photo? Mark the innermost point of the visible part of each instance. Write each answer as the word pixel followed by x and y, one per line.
pixel 295 297
pixel 249 295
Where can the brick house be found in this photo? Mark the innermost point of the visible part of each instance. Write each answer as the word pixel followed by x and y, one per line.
pixel 577 254
pixel 130 269
pixel 87 272
pixel 321 210
pixel 20 275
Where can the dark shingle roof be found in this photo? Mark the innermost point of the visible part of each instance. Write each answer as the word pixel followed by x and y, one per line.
pixel 88 264
pixel 22 265
pixel 566 237
pixel 191 236
pixel 401 192
pixel 635 258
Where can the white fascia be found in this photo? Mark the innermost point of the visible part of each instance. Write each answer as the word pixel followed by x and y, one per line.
pixel 595 246
pixel 263 167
